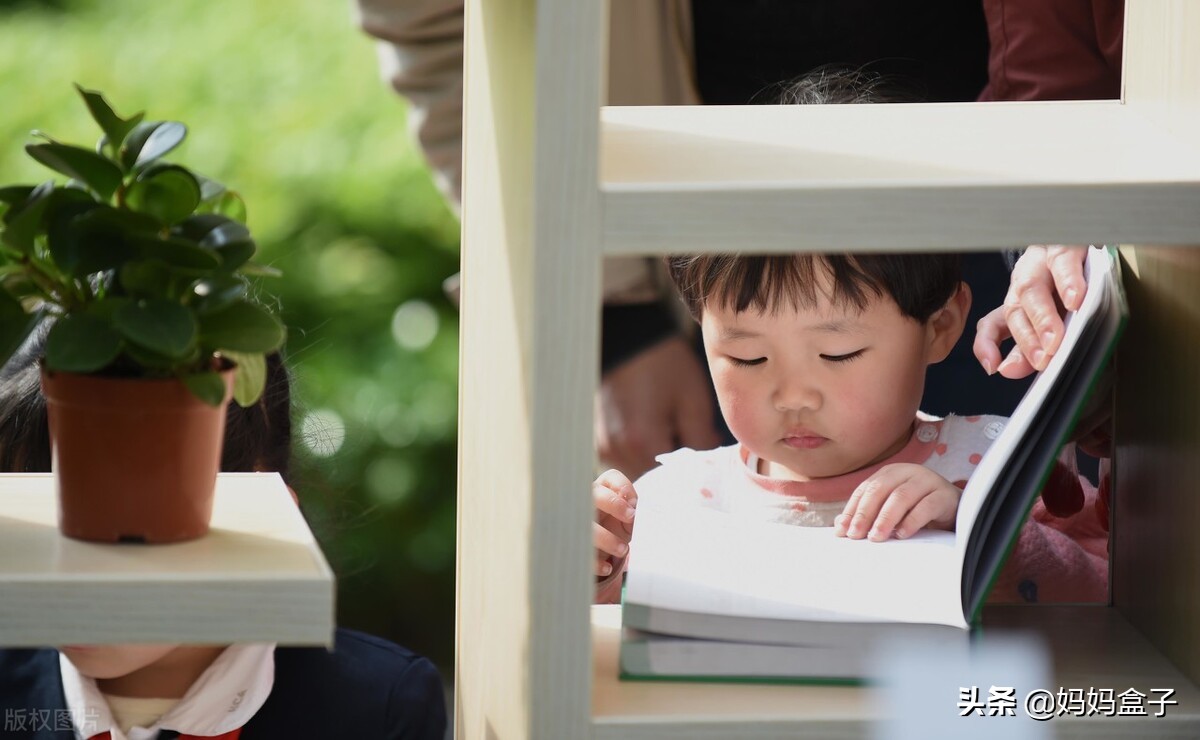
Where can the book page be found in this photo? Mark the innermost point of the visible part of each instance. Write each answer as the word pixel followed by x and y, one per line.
pixel 695 559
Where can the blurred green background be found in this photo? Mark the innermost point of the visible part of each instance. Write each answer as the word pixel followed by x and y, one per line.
pixel 285 105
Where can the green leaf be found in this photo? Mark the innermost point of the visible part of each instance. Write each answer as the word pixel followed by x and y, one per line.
pixel 114 127
pixel 150 140
pixel 209 387
pixel 227 203
pixel 235 254
pixel 100 239
pixel 63 208
pixel 211 230
pixel 14 194
pixel 81 343
pixel 144 278
pixel 250 377
pixel 23 222
pixel 15 325
pixel 209 188
pixel 167 193
pixel 214 294
pixel 157 365
pixel 178 253
pixel 100 174
pixel 241 327
pixel 158 325
pixel 105 308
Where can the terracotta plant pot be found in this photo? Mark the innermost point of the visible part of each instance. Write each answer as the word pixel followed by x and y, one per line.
pixel 135 460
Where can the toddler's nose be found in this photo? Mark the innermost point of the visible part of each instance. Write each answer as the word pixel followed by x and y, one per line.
pixel 795 393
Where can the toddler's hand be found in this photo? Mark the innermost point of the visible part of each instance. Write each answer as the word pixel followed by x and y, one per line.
pixel 615 501
pixel 898 500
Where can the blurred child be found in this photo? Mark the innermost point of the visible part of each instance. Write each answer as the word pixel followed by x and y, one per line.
pixel 366 687
pixel 819 367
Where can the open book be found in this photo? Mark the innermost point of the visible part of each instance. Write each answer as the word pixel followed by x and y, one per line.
pixel 712 595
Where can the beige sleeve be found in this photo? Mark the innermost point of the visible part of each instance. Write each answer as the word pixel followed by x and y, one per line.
pixel 421 55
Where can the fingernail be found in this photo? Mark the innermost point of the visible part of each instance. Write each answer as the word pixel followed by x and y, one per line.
pixel 1070 296
pixel 1036 358
pixel 605 569
pixel 622 549
pixel 1047 338
pixel 873 534
pixel 629 512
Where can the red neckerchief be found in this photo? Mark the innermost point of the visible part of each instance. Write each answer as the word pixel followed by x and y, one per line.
pixel 231 735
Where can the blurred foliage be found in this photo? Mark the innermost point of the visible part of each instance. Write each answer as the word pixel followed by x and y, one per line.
pixel 287 107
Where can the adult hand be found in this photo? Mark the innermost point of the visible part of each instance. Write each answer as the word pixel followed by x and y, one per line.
pixel 616 503
pixel 1046 281
pixel 656 402
pixel 898 500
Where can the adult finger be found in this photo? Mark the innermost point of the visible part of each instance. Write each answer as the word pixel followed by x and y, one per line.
pixel 990 332
pixel 1066 266
pixel 1015 366
pixel 1024 334
pixel 1033 289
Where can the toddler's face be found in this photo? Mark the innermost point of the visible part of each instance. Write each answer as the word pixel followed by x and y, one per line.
pixel 113 661
pixel 823 391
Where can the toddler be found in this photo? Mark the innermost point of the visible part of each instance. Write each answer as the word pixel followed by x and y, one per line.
pixel 819 367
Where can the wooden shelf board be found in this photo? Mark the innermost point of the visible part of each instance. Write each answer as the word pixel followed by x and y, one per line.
pixel 898 176
pixel 257 576
pixel 1090 646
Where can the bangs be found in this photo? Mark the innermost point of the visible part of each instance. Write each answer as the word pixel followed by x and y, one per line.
pixel 767 284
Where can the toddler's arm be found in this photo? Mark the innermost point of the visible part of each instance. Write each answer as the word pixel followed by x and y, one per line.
pixel 899 500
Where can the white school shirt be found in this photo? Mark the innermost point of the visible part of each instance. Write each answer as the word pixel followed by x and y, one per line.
pixel 223 698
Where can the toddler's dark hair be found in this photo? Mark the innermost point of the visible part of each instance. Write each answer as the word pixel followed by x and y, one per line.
pixel 920 284
pixel 256 438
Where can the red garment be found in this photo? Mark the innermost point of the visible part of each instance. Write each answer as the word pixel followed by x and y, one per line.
pixel 1058 559
pixel 232 735
pixel 1054 49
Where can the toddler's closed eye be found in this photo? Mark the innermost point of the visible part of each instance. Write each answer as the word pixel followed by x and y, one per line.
pixel 844 358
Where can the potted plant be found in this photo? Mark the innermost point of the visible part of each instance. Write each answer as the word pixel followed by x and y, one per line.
pixel 143 267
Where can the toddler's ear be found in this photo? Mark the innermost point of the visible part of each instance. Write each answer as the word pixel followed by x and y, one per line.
pixel 945 326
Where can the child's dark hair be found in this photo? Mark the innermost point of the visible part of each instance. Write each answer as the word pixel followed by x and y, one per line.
pixel 258 438
pixel 920 284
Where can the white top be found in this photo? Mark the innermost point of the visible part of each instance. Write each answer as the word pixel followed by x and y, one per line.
pixel 223 699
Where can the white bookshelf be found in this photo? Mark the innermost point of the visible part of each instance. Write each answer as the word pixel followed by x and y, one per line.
pixel 1091 646
pixel 928 176
pixel 554 182
pixel 257 576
